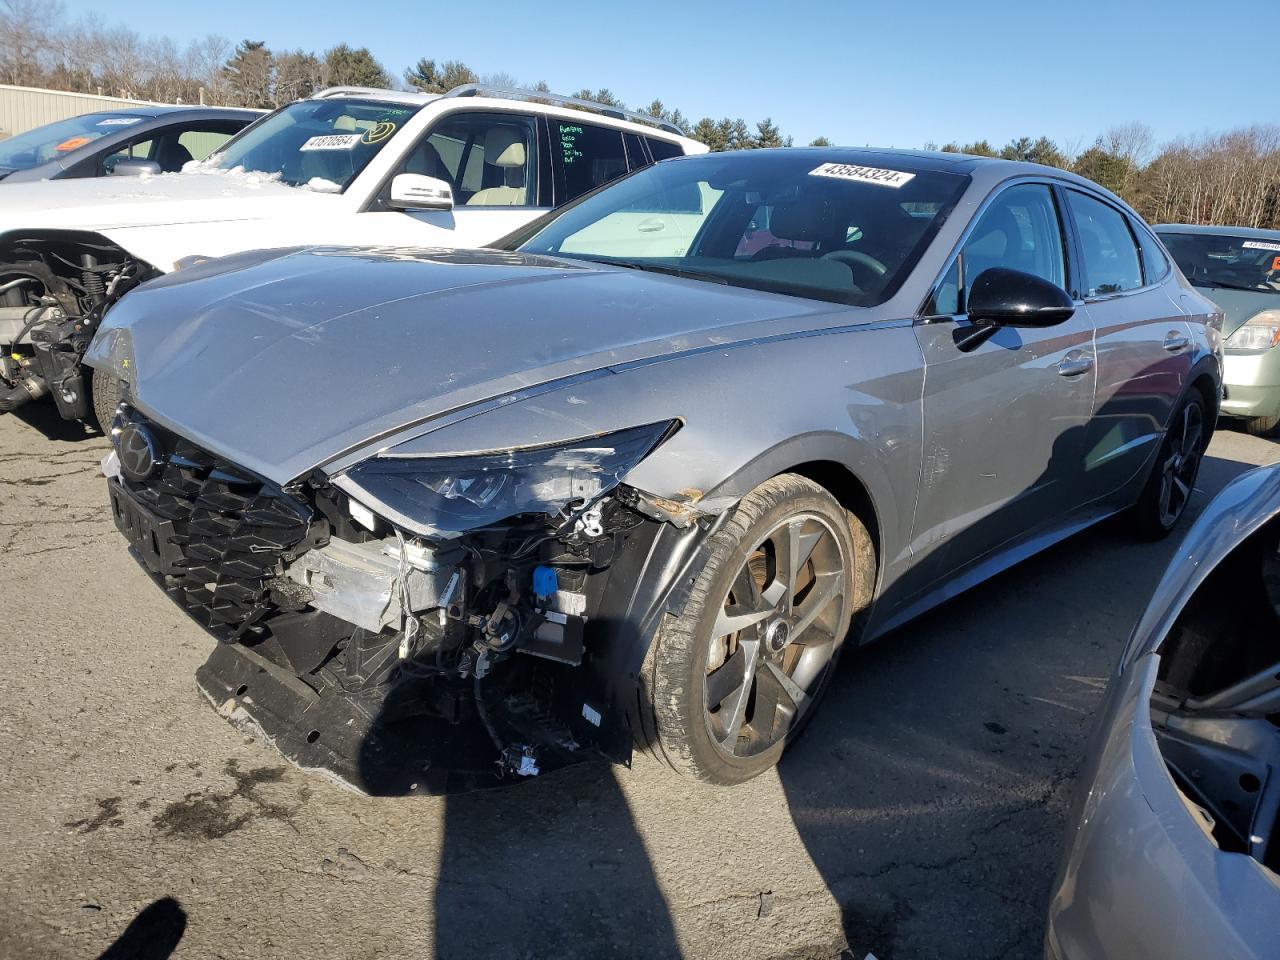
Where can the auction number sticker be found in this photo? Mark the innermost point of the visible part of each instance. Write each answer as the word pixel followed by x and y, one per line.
pixel 334 141
pixel 72 144
pixel 861 174
pixel 1260 245
pixel 118 122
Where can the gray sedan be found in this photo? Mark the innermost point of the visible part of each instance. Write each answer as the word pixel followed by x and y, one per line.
pixel 1175 844
pixel 642 473
pixel 159 139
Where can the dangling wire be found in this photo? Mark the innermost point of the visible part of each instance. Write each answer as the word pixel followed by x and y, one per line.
pixel 408 641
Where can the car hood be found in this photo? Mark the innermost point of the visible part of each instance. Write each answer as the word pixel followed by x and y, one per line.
pixel 283 360
pixel 1239 305
pixel 104 203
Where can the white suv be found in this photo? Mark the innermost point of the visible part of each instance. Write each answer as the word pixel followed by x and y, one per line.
pixel 348 166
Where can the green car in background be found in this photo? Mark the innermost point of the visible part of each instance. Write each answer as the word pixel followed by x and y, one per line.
pixel 1239 268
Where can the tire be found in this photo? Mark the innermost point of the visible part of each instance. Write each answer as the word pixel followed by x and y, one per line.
pixel 106 397
pixel 1173 475
pixel 1262 426
pixel 688 665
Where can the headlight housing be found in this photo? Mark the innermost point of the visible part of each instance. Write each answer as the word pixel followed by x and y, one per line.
pixel 1259 332
pixel 443 497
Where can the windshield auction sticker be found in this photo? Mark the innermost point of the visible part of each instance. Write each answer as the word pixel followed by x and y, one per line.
pixel 860 174
pixel 334 141
pixel 1260 245
pixel 118 122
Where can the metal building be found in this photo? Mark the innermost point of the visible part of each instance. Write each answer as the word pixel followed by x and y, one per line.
pixel 23 108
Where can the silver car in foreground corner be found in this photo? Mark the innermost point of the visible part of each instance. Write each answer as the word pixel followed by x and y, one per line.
pixel 1175 845
pixel 641 473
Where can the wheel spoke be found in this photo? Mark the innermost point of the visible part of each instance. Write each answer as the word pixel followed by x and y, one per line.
pixel 737 618
pixel 737 708
pixel 827 588
pixel 725 679
pixel 789 686
pixel 792 548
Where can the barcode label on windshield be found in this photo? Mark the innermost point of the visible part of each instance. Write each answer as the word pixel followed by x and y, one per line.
pixel 334 141
pixel 1260 245
pixel 850 171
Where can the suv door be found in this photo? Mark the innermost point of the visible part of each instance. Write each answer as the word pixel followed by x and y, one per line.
pixel 493 163
pixel 1004 421
pixel 1143 342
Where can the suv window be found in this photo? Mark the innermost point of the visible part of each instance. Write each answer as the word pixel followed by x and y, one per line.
pixel 489 159
pixel 588 157
pixel 1020 230
pixel 1110 252
pixel 663 149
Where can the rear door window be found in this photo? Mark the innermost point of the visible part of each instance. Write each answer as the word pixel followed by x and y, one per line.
pixel 1111 262
pixel 663 149
pixel 586 156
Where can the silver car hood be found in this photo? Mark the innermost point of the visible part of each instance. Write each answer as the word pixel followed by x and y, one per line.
pixel 283 360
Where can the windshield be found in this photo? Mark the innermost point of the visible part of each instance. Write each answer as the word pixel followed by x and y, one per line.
pixel 55 140
pixel 1219 260
pixel 792 222
pixel 322 144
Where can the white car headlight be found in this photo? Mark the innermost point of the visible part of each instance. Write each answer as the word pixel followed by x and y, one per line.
pixel 443 497
pixel 1259 332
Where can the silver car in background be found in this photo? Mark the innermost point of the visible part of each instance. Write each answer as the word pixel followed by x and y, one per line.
pixel 640 474
pixel 1174 852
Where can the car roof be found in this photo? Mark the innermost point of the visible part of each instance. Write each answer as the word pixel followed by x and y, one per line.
pixel 1255 233
pixel 153 111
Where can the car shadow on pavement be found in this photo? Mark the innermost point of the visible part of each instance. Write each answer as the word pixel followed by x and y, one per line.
pixel 43 416
pixel 152 935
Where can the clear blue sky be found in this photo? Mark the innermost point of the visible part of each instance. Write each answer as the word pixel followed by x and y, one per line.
pixel 888 74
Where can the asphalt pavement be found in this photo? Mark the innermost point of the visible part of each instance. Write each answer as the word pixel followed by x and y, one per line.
pixel 921 816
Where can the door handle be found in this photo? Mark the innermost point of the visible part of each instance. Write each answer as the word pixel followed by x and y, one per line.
pixel 1175 341
pixel 1073 366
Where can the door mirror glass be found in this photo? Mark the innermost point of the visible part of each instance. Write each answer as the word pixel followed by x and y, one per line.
pixel 135 167
pixel 1012 298
pixel 416 191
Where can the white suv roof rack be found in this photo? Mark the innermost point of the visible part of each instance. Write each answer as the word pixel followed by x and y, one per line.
pixel 617 113
pixel 379 93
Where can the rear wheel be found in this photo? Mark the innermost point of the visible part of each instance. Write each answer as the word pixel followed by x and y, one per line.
pixel 1164 498
pixel 730 683
pixel 1262 426
pixel 106 397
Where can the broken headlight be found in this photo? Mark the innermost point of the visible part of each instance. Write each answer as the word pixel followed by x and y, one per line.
pixel 444 496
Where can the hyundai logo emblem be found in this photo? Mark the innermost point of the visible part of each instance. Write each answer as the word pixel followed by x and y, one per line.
pixel 136 450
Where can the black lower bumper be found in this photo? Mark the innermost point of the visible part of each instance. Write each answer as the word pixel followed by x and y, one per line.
pixel 372 746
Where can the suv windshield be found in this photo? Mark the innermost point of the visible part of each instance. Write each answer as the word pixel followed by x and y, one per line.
pixel 1219 260
pixel 321 144
pixel 792 222
pixel 54 140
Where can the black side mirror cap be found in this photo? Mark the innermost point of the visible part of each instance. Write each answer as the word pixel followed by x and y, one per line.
pixel 1012 298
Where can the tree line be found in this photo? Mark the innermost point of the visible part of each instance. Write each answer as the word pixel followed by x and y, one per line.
pixel 1222 178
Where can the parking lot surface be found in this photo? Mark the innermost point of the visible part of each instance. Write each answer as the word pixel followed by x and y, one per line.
pixel 921 816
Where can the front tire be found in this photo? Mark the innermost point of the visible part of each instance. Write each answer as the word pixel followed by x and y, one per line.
pixel 728 685
pixel 1173 476
pixel 106 397
pixel 1262 426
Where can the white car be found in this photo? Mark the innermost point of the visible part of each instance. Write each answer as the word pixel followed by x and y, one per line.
pixel 348 166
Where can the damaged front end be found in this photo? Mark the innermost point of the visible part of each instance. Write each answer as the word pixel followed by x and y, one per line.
pixel 54 290
pixel 416 625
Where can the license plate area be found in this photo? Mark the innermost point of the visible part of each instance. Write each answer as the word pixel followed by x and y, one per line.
pixel 148 534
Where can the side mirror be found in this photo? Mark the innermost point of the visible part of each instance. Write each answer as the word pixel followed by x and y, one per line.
pixel 135 167
pixel 1011 298
pixel 414 191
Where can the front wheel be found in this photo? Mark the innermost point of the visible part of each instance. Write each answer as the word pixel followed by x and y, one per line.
pixel 106 397
pixel 731 682
pixel 1173 477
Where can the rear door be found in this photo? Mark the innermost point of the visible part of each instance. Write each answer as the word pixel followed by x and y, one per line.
pixel 1004 421
pixel 1143 342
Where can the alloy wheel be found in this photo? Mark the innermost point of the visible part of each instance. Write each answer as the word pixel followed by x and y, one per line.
pixel 1182 462
pixel 775 636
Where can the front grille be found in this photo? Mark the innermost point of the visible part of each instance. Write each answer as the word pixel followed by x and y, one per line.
pixel 230 529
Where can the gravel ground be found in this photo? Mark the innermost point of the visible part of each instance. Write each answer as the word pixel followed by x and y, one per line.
pixel 920 817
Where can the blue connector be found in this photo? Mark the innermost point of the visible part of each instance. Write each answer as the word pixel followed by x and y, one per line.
pixel 546 582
